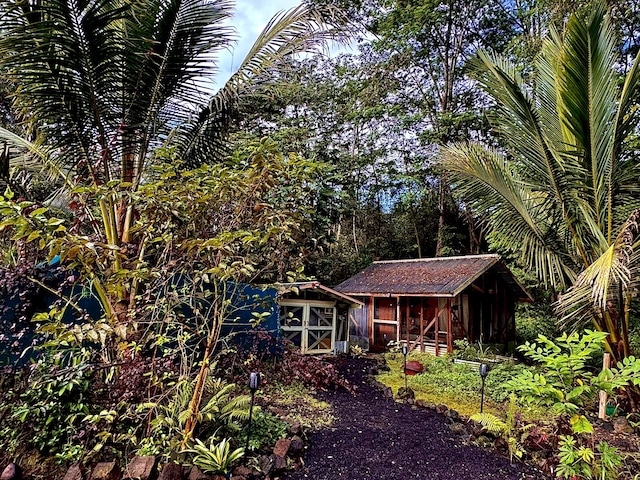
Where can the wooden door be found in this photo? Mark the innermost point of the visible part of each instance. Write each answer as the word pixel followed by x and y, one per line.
pixel 309 325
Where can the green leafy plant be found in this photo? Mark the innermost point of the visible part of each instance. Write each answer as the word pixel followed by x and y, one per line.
pixel 512 431
pixel 563 381
pixel 215 458
pixel 48 413
pixel 266 430
pixel 222 411
pixel 356 350
pixel 475 352
pixel 580 461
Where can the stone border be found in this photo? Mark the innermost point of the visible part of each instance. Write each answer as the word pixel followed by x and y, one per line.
pixel 286 455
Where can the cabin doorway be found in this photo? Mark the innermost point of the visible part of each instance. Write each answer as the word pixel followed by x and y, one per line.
pixel 385 324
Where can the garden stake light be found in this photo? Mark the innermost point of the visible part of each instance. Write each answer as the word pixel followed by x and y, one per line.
pixel 404 354
pixel 254 384
pixel 484 371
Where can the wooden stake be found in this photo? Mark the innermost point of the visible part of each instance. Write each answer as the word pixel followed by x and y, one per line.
pixel 602 407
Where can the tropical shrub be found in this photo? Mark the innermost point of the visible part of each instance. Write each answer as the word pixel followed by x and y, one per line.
pixel 222 413
pixel 48 413
pixel 266 430
pixel 534 320
pixel 565 383
pixel 215 458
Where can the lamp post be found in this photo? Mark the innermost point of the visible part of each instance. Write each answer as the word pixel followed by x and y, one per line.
pixel 254 384
pixel 405 350
pixel 484 371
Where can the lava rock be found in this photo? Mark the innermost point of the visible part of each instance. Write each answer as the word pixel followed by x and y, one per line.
pixel 281 448
pixel 453 415
pixel 75 472
pixel 171 471
pixel 278 463
pixel 11 472
pixel 458 428
pixel 142 468
pixel 297 445
pixel 197 474
pixel 106 471
pixel 242 471
pixel 441 409
pixel 265 463
pixel 296 428
pixel 406 393
pixel 621 425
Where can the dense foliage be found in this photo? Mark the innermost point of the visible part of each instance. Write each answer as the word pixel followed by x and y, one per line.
pixel 141 199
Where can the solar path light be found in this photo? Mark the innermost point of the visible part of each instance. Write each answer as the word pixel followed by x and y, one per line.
pixel 254 384
pixel 405 350
pixel 484 371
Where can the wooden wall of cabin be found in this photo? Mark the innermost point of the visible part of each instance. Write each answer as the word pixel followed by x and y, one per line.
pixel 491 311
pixel 358 319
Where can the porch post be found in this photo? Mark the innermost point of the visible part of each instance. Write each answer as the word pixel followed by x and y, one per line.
pixel 449 327
pixel 398 321
pixel 370 323
pixel 422 324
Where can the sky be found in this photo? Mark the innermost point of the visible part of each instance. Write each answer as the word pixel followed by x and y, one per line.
pixel 251 16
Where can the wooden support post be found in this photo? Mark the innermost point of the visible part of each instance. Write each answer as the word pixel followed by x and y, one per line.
pixel 370 324
pixel 408 333
pixel 437 328
pixel 398 322
pixel 470 305
pixel 406 319
pixel 602 407
pixel 422 324
pixel 449 327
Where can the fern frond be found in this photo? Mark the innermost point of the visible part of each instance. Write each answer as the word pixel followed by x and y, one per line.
pixel 491 423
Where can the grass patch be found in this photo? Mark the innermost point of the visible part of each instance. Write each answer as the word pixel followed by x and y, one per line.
pixel 457 386
pixel 295 402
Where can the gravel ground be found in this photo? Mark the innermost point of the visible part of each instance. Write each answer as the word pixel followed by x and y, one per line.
pixel 375 438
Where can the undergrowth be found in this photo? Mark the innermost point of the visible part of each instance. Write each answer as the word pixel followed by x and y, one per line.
pixel 297 404
pixel 457 386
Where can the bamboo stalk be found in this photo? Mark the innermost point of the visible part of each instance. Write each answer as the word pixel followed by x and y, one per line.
pixel 602 407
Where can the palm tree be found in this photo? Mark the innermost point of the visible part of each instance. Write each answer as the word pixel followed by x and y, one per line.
pixel 564 181
pixel 101 84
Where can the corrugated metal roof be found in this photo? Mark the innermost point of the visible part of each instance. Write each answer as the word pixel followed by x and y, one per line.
pixel 429 277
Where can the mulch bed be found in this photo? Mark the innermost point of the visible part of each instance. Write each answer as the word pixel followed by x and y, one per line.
pixel 376 438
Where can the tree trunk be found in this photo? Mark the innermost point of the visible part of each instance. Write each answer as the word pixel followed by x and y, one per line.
pixel 441 208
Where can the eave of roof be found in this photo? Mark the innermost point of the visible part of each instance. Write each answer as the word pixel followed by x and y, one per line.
pixel 313 285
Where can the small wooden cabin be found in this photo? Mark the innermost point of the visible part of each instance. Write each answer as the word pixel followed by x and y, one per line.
pixel 314 317
pixel 429 303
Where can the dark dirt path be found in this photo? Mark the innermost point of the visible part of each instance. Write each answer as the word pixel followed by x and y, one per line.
pixel 375 438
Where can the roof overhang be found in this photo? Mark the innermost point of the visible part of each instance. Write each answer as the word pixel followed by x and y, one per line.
pixel 295 287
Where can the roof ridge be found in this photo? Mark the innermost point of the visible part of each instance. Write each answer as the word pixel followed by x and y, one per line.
pixel 432 259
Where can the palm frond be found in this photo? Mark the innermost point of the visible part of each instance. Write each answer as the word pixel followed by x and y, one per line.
pixel 519 217
pixel 600 285
pixel 586 91
pixel 305 28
